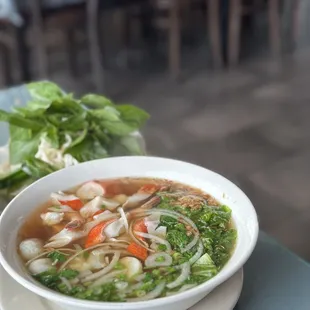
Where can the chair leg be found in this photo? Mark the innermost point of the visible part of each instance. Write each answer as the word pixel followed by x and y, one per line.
pixel 174 40
pixel 214 29
pixel 5 65
pixel 274 27
pixel 94 45
pixel 234 28
pixel 295 21
pixel 72 52
pixel 38 33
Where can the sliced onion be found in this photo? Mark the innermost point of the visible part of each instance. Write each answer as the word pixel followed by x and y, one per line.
pixel 124 217
pixel 197 254
pixel 80 252
pixel 107 277
pixel 185 271
pixel 139 277
pixel 138 241
pixel 177 216
pixel 151 260
pixel 105 270
pixel 84 274
pixel 121 285
pixel 66 283
pixel 151 295
pixel 184 288
pixel 78 247
pixel 155 238
pixel 119 241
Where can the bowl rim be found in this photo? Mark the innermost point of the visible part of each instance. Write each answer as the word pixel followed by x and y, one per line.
pixel 215 281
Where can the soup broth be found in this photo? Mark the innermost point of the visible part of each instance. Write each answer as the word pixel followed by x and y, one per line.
pixel 128 239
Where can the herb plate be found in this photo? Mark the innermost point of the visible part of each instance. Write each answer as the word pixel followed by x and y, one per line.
pixel 14 296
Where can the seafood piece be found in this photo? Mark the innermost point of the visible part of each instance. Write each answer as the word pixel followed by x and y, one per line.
pixel 153 202
pixel 68 200
pixel 141 196
pixel 133 266
pixel 40 265
pixel 96 234
pixel 90 190
pixel 52 218
pixel 76 220
pixel 30 248
pixel 115 229
pixel 96 205
pixel 60 208
pixel 152 223
pixel 65 237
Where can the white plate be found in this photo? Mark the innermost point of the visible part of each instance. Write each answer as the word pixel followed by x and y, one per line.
pixel 13 296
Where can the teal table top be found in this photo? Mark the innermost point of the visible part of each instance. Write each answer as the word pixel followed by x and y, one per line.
pixel 274 277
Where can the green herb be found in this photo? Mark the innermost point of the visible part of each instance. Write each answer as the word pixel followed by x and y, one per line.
pixel 96 127
pixel 162 247
pixel 57 256
pixel 177 239
pixel 160 259
pixel 86 254
pixel 119 266
pixel 103 207
pixel 49 278
pixel 68 273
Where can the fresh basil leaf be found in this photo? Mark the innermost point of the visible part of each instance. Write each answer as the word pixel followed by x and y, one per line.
pixel 20 121
pixel 77 137
pixel 65 105
pixel 107 114
pixel 75 122
pixel 89 149
pixel 96 101
pixel 44 91
pixel 132 115
pixel 23 144
pixel 53 136
pixel 117 128
pixel 37 168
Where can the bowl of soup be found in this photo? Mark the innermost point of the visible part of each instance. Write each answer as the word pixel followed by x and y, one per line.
pixel 127 233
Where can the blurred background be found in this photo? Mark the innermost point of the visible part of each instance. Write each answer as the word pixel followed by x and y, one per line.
pixel 226 83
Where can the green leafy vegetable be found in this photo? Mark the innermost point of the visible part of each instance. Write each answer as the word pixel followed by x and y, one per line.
pixel 56 125
pixel 57 256
pixel 178 239
pixel 68 273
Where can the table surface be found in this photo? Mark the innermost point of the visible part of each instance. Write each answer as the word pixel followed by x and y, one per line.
pixel 274 277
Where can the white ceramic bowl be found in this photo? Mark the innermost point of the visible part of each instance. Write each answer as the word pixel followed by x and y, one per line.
pixel 223 190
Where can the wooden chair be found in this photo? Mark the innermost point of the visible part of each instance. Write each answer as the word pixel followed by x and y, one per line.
pixel 38 19
pixel 8 47
pixel 180 8
pixel 237 9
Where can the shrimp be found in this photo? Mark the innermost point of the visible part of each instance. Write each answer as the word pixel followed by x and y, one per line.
pixel 141 196
pixel 74 219
pixel 68 200
pixel 90 190
pixel 96 205
pixel 52 218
